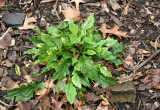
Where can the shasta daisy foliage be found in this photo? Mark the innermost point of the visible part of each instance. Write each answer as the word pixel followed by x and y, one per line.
pixel 71 50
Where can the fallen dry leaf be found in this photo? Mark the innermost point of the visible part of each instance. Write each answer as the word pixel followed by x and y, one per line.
pixel 105 100
pixel 129 59
pixel 120 68
pixel 8 84
pixel 28 23
pixel 3 72
pixel 100 107
pixel 2 3
pixel 91 97
pixel 125 11
pixel 77 104
pixel 5 41
pixel 152 79
pixel 142 51
pixel 77 3
pixel 154 45
pixel 45 101
pixel 71 13
pixel 7 63
pixel 113 31
pixel 58 104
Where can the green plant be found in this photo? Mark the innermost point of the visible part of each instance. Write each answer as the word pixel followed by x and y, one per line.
pixel 71 50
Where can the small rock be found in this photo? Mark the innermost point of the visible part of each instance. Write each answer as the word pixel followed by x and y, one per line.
pixel 125 92
pixel 12 56
pixel 133 32
pixel 43 23
pixel 124 87
pixel 141 87
pixel 13 19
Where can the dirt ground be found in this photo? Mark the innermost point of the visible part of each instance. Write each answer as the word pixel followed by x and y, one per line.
pixel 141 22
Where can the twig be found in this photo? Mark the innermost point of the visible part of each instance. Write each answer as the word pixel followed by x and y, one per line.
pixel 4 103
pixel 156 42
pixel 5 33
pixel 146 61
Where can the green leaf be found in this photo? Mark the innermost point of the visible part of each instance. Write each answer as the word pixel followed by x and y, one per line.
pixel 62 69
pixel 88 24
pixel 105 72
pixel 76 80
pixel 110 42
pixel 74 60
pixel 87 68
pixel 70 92
pixel 24 93
pixel 58 42
pixel 47 40
pixel 53 30
pixel 60 85
pixel 67 55
pixel 17 69
pixel 84 81
pixel 106 81
pixel 74 39
pixel 117 62
pixel 72 26
pixel 90 52
pixel 30 51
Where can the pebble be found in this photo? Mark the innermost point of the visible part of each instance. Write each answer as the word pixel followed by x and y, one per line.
pixel 133 31
pixel 12 56
pixel 13 19
pixel 43 23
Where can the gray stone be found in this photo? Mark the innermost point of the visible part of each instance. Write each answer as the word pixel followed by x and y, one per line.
pixel 124 87
pixel 13 19
pixel 125 92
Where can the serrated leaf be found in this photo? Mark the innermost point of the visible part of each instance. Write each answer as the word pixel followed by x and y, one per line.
pixel 24 93
pixel 53 30
pixel 60 86
pixel 70 92
pixel 117 62
pixel 110 42
pixel 30 51
pixel 87 68
pixel 74 60
pixel 67 55
pixel 105 72
pixel 88 24
pixel 84 81
pixel 72 27
pixel 90 52
pixel 76 80
pixel 58 42
pixel 106 81
pixel 62 69
pixel 74 39
pixel 17 69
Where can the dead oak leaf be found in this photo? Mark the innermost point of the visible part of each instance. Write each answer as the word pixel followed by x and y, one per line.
pixel 28 23
pixel 77 3
pixel 2 3
pixel 113 31
pixel 71 13
pixel 129 59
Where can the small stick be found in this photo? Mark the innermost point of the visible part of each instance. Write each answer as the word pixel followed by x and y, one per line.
pixel 147 60
pixel 4 103
pixel 5 33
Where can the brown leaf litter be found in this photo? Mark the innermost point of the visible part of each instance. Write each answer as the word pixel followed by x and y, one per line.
pixel 28 23
pixel 152 79
pixel 112 31
pixel 77 2
pixel 71 13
